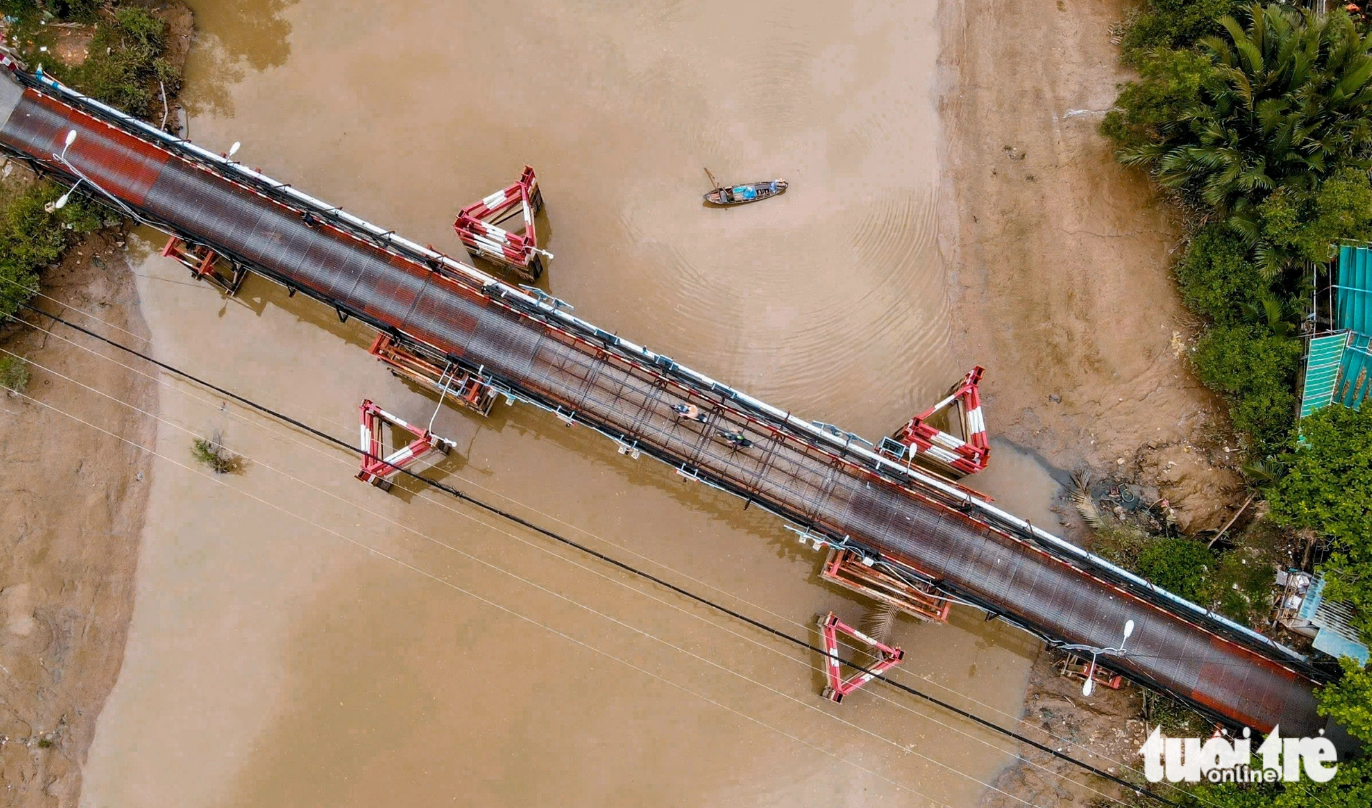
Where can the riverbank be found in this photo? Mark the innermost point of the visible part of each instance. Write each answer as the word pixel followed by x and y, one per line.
pixel 72 503
pixel 1057 259
pixel 1056 256
pixel 73 498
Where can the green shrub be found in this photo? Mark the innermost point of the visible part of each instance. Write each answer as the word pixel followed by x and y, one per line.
pixel 31 238
pixel 1180 566
pixel 14 373
pixel 1328 488
pixel 1302 226
pixel 212 454
pixel 1256 370
pixel 1152 110
pixel 126 68
pixel 1349 701
pixel 1218 280
pixel 1175 24
pixel 1239 588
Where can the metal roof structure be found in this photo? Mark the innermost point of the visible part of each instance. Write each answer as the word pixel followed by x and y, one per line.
pixel 1338 364
pixel 1337 636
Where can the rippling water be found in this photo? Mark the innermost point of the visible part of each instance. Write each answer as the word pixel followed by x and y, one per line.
pixel 273 662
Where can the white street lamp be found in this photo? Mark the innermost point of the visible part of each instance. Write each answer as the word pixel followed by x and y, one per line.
pixel 1090 684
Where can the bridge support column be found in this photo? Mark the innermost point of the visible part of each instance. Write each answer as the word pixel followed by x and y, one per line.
pixel 204 264
pixel 477 225
pixel 451 382
pixel 379 468
pixel 845 568
pixel 1072 666
pixel 884 657
pixel 940 451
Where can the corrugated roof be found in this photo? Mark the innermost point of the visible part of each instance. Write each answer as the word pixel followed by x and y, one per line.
pixel 1337 636
pixel 1355 289
pixel 1323 360
pixel 1355 373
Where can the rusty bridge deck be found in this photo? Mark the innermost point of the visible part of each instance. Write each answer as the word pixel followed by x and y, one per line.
pixel 831 489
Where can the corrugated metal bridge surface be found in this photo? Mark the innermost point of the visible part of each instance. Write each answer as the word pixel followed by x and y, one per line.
pixel 784 471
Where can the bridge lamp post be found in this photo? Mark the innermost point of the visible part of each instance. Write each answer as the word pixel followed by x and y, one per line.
pixel 81 177
pixel 1090 684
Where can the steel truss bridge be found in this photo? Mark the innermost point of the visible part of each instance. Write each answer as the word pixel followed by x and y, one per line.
pixel 830 489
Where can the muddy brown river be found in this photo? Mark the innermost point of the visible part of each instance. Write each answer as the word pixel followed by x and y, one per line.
pixel 302 639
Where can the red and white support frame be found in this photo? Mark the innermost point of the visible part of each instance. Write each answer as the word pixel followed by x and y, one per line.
pixel 379 468
pixel 1072 666
pixel 886 657
pixel 477 227
pixel 848 569
pixel 203 263
pixel 451 383
pixel 945 452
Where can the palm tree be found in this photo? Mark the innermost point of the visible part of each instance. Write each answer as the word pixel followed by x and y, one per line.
pixel 1288 101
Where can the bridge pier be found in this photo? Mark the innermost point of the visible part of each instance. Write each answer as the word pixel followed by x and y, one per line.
pixel 477 226
pixel 204 264
pixel 451 382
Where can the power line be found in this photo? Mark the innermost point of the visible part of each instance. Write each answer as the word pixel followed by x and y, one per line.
pixel 512 612
pixel 617 582
pixel 519 520
pixel 894 672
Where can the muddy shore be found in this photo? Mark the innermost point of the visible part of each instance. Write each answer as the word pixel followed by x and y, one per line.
pixel 1057 259
pixel 72 503
pixel 72 506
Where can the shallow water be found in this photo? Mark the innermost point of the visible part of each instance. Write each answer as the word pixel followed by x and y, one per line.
pixel 302 639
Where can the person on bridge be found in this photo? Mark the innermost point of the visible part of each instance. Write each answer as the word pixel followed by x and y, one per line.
pixel 737 439
pixel 690 411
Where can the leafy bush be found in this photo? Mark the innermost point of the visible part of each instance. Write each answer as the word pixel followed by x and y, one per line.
pixel 14 373
pixel 31 238
pixel 126 68
pixel 1256 370
pixel 1286 104
pixel 1153 109
pixel 1239 588
pixel 1303 226
pixel 212 454
pixel 1217 278
pixel 1349 701
pixel 1328 488
pixel 1175 24
pixel 1180 566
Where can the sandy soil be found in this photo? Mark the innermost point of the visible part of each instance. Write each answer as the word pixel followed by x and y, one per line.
pixel 67 562
pixel 1058 260
pixel 1058 257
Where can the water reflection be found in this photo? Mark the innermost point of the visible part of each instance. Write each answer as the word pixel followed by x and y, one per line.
pixel 234 37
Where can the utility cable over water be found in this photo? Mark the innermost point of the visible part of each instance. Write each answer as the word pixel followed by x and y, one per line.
pixel 258 426
pixel 814 667
pixel 643 574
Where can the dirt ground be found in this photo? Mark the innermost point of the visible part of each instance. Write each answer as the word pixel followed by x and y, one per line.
pixel 1059 263
pixel 1059 258
pixel 67 562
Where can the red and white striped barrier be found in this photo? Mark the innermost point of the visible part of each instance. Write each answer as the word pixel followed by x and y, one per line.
pixel 887 657
pixel 476 227
pixel 379 468
pixel 949 452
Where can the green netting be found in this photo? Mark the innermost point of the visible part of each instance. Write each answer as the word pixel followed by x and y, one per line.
pixel 1323 362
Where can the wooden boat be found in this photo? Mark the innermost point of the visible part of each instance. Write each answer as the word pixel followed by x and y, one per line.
pixel 743 194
